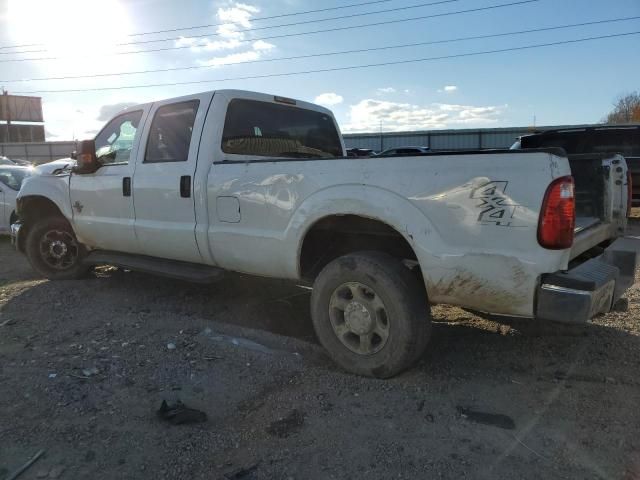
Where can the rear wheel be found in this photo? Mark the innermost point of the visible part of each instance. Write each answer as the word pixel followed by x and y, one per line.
pixel 54 251
pixel 371 313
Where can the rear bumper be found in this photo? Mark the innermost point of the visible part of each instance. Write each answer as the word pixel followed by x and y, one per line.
pixel 576 296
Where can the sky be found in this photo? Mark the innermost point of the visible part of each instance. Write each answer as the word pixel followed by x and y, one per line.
pixel 556 85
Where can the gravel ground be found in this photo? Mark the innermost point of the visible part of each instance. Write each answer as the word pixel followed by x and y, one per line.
pixel 84 365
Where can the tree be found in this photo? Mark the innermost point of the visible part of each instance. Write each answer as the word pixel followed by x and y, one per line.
pixel 626 109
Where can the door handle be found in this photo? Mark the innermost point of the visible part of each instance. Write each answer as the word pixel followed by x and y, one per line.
pixel 185 186
pixel 126 187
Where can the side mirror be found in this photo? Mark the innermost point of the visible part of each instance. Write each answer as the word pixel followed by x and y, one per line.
pixel 86 160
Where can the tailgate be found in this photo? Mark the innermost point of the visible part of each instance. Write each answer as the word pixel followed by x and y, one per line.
pixel 601 199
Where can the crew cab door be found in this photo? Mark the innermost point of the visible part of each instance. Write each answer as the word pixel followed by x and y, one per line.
pixel 163 182
pixel 101 202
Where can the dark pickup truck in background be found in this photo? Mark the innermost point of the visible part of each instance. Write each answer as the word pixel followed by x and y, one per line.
pixel 622 139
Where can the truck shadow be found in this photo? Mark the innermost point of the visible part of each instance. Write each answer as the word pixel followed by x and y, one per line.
pixel 462 343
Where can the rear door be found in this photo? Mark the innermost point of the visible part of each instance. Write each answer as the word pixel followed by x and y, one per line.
pixel 163 181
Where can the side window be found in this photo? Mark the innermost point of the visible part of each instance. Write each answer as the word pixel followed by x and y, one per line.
pixel 170 133
pixel 115 141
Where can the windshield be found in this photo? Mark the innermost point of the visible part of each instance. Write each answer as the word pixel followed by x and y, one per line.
pixel 268 129
pixel 13 177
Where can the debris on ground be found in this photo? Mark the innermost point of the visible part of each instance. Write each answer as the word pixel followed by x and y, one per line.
pixel 90 372
pixel 241 473
pixel 493 419
pixel 56 471
pixel 237 341
pixel 171 346
pixel 286 426
pixel 26 466
pixel 179 413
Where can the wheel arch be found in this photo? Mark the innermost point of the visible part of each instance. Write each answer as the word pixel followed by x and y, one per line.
pixel 375 208
pixel 32 208
pixel 335 235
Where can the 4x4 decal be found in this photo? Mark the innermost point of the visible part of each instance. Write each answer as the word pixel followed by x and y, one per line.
pixel 495 207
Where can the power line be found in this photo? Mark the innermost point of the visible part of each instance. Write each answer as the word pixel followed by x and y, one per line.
pixel 335 69
pixel 335 29
pixel 305 22
pixel 342 52
pixel 211 25
pixel 268 27
pixel 293 24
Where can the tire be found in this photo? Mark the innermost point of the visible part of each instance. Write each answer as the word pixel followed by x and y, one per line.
pixel 53 250
pixel 371 314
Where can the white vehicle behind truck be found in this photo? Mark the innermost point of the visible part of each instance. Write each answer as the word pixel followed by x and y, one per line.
pixel 232 180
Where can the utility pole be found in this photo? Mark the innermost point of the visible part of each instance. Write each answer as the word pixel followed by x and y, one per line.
pixel 8 112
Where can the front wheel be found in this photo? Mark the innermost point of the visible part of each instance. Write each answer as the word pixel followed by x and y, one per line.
pixel 54 251
pixel 371 313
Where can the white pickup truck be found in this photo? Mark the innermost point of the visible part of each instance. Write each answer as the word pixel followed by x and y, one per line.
pixel 248 182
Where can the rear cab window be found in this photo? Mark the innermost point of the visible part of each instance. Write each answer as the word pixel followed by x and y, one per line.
pixel 254 127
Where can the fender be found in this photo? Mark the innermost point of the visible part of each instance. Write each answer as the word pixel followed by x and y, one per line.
pixel 371 202
pixel 490 282
pixel 51 187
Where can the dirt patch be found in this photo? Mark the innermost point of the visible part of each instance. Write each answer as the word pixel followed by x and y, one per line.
pixel 84 366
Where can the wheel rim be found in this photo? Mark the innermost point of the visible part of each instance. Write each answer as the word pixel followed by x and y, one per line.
pixel 59 249
pixel 359 318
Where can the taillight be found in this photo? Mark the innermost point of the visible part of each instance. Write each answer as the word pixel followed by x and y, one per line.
pixel 629 193
pixel 558 215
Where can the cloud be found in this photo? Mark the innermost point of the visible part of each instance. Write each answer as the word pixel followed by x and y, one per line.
pixel 367 114
pixel 239 14
pixel 262 45
pixel 232 58
pixel 229 36
pixel 448 89
pixel 107 112
pixel 383 90
pixel 328 99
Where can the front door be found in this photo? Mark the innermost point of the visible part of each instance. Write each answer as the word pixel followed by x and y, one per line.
pixel 163 182
pixel 102 204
